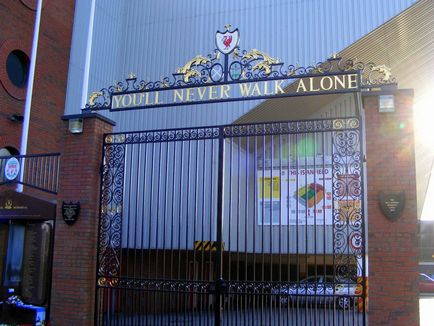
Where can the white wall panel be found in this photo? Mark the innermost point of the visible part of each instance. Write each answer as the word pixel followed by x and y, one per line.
pixel 154 38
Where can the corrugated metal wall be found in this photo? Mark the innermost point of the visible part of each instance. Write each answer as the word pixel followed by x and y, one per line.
pixel 154 38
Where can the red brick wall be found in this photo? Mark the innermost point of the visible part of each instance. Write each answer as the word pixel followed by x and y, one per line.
pixel 16 25
pixel 393 245
pixel 74 261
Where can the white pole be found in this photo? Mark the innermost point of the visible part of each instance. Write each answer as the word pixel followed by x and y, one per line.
pixel 85 86
pixel 28 105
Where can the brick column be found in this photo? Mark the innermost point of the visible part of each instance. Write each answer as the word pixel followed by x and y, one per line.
pixel 393 245
pixel 74 261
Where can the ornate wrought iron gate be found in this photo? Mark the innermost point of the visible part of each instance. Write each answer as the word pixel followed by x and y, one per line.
pixel 240 224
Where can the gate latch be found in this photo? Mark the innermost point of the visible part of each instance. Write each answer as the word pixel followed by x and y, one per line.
pixel 220 286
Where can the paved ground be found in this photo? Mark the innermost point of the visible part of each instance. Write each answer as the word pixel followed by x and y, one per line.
pixel 312 317
pixel 264 317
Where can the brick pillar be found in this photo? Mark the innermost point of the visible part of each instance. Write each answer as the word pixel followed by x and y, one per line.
pixel 393 245
pixel 74 261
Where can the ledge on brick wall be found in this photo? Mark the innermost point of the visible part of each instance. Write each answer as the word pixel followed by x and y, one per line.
pixel 87 116
pixel 407 91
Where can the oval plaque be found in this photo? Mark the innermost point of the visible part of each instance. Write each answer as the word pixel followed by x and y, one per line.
pixel 12 168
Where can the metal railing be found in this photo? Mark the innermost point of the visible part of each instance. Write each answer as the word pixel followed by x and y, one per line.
pixel 38 171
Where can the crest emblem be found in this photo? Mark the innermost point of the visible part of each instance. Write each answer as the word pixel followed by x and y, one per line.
pixel 12 168
pixel 227 41
pixel 70 212
pixel 392 204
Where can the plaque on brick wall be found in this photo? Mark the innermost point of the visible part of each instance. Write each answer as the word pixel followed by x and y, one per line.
pixel 392 204
pixel 36 263
pixel 70 212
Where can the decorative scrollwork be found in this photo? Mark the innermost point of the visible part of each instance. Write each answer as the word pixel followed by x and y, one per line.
pixel 156 136
pixel 265 61
pixel 240 66
pixel 188 71
pixel 348 241
pixel 155 284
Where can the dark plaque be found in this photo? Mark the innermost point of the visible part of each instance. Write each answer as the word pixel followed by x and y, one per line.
pixel 392 204
pixel 70 212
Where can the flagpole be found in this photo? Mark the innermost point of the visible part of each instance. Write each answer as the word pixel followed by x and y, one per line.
pixel 29 94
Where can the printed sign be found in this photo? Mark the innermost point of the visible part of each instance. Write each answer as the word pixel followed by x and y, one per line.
pixel 296 197
pixel 12 168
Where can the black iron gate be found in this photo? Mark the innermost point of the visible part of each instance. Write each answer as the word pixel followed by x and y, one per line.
pixel 237 225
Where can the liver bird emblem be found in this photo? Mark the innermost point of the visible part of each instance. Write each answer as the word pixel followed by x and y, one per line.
pixel 227 40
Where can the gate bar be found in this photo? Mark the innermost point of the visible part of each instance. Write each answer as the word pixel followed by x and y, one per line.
pixel 219 254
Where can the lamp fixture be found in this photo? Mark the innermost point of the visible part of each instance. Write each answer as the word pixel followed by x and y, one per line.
pixel 16 118
pixel 75 126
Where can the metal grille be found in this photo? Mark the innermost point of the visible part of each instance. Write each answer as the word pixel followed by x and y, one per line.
pixel 38 171
pixel 258 224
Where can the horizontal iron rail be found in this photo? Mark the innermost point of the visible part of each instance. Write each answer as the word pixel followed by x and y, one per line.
pixel 40 171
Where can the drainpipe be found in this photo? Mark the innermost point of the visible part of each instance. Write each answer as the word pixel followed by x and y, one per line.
pixel 29 94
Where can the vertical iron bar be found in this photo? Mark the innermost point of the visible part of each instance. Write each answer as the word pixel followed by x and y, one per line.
pixel 171 303
pixel 288 233
pixel 195 201
pixel 219 269
pixel 229 219
pixel 158 295
pixel 187 234
pixel 143 219
pixel 270 278
pixel 181 171
pixel 246 223
pixel 280 179
pixel 297 228
pixel 238 225
pixel 255 215
pixel 262 228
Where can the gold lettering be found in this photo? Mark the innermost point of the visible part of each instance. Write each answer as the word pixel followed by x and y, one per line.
pixel 340 81
pixel 147 99
pixel 278 87
pixel 212 93
pixel 266 89
pixel 352 81
pixel 178 94
pixel 224 89
pixel 156 98
pixel 256 90
pixel 116 101
pixel 190 95
pixel 301 86
pixel 330 83
pixel 245 89
pixel 126 104
pixel 140 95
pixel 311 88
pixel 201 91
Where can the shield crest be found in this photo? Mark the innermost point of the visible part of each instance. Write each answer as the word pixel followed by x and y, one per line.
pixel 227 41
pixel 70 212
pixel 392 204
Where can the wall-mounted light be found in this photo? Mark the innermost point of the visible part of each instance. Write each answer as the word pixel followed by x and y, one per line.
pixel 16 117
pixel 386 103
pixel 75 126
